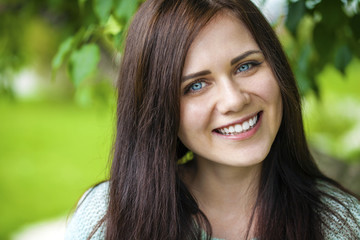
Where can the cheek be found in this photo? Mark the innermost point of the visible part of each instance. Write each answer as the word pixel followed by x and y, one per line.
pixel 273 97
pixel 194 116
pixel 268 90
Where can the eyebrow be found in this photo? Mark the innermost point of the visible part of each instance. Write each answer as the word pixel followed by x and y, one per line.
pixel 194 75
pixel 244 55
pixel 233 61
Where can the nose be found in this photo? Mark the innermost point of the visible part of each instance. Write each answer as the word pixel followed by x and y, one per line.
pixel 231 98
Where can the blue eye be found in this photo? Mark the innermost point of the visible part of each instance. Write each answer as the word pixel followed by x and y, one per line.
pixel 244 67
pixel 197 86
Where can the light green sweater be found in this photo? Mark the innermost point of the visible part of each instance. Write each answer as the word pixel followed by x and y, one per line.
pixel 94 203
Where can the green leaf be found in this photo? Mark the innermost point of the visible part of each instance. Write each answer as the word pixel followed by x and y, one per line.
pixel 303 82
pixel 304 57
pixel 332 13
pixel 342 58
pixel 102 9
pixel 62 53
pixel 324 41
pixel 83 63
pixel 112 26
pixel 296 11
pixel 81 3
pixel 119 41
pixel 301 68
pixel 125 9
pixel 65 49
pixel 355 26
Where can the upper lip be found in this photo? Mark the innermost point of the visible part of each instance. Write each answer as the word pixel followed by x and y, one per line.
pixel 243 119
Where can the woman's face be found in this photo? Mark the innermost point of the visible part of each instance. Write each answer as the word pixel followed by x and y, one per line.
pixel 231 106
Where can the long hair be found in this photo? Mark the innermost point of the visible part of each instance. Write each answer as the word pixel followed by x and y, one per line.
pixel 148 200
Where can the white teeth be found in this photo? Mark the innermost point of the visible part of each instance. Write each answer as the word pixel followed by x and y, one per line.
pixel 251 122
pixel 239 128
pixel 231 129
pixel 246 126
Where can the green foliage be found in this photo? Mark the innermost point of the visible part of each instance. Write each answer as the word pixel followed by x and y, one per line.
pixel 333 123
pixel 83 62
pixel 81 51
pixel 102 9
pixel 323 33
pixel 71 26
pixel 124 9
pixel 63 52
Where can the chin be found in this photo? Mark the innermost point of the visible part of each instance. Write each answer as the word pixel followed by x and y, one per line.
pixel 252 156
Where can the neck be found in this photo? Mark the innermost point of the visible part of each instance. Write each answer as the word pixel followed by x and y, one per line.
pixel 226 194
pixel 222 185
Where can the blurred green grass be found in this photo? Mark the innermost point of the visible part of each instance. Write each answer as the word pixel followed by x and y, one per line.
pixel 50 153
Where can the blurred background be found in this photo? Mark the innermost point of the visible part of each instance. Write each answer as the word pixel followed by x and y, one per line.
pixel 58 65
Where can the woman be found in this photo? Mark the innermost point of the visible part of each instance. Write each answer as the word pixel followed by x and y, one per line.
pixel 210 76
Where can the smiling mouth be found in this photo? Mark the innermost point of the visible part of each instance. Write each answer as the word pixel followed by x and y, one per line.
pixel 239 127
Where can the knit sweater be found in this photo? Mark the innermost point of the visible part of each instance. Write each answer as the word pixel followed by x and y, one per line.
pixel 92 207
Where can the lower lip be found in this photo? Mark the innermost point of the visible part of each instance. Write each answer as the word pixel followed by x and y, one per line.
pixel 244 135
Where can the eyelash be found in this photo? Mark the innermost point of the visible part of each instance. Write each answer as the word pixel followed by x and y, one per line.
pixel 188 87
pixel 251 64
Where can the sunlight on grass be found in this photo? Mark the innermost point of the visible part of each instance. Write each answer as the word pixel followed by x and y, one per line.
pixel 50 153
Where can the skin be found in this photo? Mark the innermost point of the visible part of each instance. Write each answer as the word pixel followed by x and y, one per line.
pixel 226 80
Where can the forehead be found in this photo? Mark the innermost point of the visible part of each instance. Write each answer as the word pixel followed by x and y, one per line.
pixel 223 35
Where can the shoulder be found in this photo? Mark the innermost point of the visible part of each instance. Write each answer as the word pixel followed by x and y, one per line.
pixel 344 219
pixel 90 210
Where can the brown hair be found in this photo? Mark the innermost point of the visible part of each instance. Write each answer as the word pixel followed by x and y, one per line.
pixel 147 198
